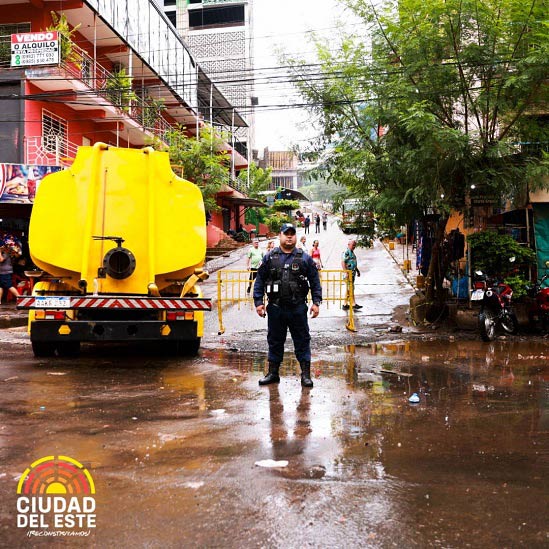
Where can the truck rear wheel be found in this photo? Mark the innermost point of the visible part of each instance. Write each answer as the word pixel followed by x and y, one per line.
pixel 43 349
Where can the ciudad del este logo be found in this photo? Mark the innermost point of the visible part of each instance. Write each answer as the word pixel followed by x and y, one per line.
pixel 56 493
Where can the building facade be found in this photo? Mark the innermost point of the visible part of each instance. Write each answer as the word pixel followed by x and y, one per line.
pixel 284 166
pixel 120 74
pixel 219 34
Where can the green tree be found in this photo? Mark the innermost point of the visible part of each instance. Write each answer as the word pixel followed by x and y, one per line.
pixel 258 180
pixel 434 103
pixel 254 183
pixel 203 161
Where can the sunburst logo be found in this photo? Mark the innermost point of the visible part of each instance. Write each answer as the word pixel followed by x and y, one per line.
pixel 61 475
pixel 56 493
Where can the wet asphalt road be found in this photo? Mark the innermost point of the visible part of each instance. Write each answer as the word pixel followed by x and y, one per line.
pixel 172 443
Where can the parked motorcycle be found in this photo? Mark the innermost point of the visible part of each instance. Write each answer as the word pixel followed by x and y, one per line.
pixel 538 315
pixel 495 308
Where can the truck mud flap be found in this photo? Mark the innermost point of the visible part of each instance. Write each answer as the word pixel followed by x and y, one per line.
pixel 55 331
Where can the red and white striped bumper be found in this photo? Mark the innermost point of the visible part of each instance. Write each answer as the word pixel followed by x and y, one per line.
pixel 114 302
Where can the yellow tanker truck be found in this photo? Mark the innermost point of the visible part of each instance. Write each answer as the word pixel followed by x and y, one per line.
pixel 121 241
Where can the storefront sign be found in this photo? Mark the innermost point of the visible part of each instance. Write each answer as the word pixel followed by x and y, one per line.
pixel 35 48
pixel 19 182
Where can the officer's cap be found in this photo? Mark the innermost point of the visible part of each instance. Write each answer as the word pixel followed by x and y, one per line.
pixel 287 227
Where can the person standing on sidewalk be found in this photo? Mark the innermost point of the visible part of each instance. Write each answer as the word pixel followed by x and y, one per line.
pixel 307 224
pixel 317 223
pixel 6 274
pixel 286 275
pixel 255 255
pixel 349 263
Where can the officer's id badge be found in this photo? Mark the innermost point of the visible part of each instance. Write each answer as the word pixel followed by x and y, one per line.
pixel 295 266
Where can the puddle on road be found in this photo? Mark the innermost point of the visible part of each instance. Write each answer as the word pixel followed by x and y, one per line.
pixel 193 428
pixel 486 397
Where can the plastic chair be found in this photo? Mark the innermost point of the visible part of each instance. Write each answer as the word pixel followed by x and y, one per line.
pixel 23 285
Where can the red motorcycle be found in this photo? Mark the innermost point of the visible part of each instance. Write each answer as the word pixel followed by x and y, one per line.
pixel 538 315
pixel 495 310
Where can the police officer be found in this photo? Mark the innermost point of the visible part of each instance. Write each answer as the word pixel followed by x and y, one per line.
pixel 286 275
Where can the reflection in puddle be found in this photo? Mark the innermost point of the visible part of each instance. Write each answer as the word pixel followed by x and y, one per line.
pixel 164 435
pixel 471 395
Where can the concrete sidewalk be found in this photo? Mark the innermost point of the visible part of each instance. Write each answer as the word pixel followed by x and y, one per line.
pixel 400 254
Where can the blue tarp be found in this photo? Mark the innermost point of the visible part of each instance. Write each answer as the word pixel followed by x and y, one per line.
pixel 541 233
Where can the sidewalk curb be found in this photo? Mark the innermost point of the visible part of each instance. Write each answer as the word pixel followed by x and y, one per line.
pixel 406 274
pixel 7 322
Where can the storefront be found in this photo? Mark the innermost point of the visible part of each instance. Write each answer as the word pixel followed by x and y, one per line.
pixel 18 186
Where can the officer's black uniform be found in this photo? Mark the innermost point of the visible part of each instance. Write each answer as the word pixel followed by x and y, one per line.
pixel 286 279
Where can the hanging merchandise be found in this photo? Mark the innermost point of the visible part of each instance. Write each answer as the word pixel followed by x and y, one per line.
pixel 11 244
pixel 425 247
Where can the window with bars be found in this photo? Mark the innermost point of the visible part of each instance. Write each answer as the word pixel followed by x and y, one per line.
pixel 54 133
pixel 5 40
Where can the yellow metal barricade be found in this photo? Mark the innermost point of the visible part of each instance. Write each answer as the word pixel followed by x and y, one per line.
pixel 232 285
pixel 336 286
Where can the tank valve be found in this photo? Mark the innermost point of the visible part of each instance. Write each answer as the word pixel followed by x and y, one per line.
pixel 119 263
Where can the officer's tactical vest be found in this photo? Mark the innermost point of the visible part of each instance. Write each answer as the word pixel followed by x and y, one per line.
pixel 287 283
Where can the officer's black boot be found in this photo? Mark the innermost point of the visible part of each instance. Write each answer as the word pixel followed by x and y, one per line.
pixel 306 380
pixel 272 376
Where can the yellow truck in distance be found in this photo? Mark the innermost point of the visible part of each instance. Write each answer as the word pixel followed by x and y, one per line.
pixel 122 242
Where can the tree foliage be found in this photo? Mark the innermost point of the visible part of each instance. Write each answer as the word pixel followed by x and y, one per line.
pixel 258 179
pixel 492 253
pixel 203 161
pixel 438 103
pixel 284 205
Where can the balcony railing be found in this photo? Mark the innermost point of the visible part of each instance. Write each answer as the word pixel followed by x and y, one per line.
pixel 79 64
pixel 146 113
pixel 49 151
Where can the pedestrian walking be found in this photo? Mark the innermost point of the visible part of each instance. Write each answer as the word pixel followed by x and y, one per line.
pixel 286 275
pixel 6 274
pixel 303 244
pixel 317 223
pixel 315 254
pixel 349 263
pixel 324 220
pixel 307 224
pixel 255 255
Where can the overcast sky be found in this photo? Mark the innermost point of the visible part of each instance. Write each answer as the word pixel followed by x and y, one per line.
pixel 285 24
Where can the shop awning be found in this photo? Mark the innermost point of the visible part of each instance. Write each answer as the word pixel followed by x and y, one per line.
pixel 291 194
pixel 244 201
pixel 287 194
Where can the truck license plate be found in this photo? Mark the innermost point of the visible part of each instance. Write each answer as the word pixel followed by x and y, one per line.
pixel 52 302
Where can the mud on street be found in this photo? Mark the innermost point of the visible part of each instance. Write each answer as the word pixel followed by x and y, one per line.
pixel 175 445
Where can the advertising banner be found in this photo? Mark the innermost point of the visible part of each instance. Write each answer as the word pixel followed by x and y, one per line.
pixel 19 182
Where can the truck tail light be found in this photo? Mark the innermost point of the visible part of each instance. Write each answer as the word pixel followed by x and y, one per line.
pixel 179 315
pixel 50 315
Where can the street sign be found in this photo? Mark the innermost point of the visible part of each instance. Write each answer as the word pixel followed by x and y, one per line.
pixel 35 48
